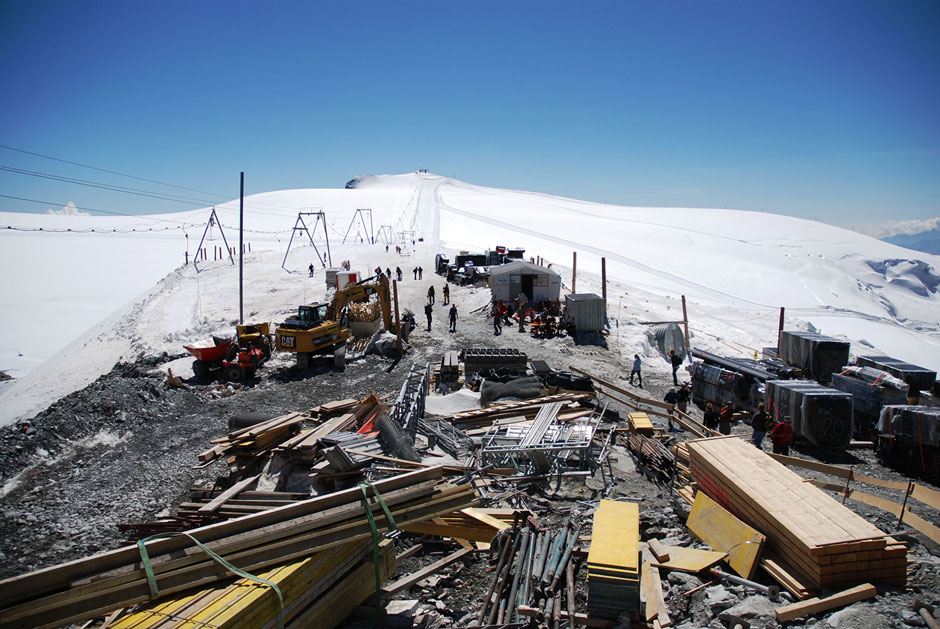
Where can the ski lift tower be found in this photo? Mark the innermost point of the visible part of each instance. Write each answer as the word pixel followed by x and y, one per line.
pixel 385 234
pixel 213 221
pixel 301 226
pixel 361 215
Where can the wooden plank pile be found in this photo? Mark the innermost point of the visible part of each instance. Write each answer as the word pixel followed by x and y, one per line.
pixel 475 525
pixel 85 588
pixel 250 444
pixel 305 447
pixel 652 455
pixel 312 587
pixel 613 561
pixel 819 540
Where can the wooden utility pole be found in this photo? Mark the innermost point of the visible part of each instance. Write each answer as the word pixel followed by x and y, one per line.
pixel 604 279
pixel 397 319
pixel 241 251
pixel 574 270
pixel 779 330
pixel 685 320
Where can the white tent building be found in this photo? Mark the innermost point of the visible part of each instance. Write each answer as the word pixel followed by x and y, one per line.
pixel 537 282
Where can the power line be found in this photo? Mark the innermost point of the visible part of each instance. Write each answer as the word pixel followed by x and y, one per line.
pixel 162 183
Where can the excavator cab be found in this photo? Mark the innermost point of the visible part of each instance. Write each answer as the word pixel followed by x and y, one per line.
pixel 308 316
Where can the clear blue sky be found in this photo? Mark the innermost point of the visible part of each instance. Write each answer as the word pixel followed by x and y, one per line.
pixel 818 109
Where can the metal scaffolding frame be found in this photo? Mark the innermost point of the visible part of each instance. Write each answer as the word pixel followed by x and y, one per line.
pixel 408 409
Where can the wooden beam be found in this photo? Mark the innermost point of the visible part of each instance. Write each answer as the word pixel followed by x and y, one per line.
pixel 815 605
pixel 414 577
pixel 216 503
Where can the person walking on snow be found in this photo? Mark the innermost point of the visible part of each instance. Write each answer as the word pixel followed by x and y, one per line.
pixel 453 317
pixel 431 295
pixel 759 422
pixel 636 370
pixel 398 273
pixel 415 271
pixel 497 320
pixel 427 312
pixel 420 273
pixel 311 269
pixel 446 292
pixel 676 363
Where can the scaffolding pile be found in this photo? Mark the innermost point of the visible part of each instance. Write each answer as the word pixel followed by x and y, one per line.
pixel 544 446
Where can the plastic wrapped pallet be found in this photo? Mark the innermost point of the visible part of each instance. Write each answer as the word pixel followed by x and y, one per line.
pixel 817 355
pixel 917 378
pixel 871 389
pixel 914 425
pixel 821 415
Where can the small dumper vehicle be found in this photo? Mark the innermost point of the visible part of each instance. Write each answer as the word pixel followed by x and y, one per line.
pixel 236 361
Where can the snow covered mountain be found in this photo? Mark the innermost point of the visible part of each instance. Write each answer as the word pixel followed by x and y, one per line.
pixel 81 292
pixel 926 242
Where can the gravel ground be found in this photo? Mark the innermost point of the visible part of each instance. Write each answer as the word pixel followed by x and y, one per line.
pixel 123 450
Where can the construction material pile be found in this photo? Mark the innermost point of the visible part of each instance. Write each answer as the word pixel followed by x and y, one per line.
pixel 819 414
pixel 817 355
pixel 86 588
pixel 365 312
pixel 614 560
pixel 817 538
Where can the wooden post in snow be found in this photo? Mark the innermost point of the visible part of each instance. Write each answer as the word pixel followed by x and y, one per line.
pixel 574 270
pixel 685 321
pixel 779 331
pixel 604 279
pixel 397 319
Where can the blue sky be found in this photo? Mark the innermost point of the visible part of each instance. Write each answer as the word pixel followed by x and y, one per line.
pixel 817 109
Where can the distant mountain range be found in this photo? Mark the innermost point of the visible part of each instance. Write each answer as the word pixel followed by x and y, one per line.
pixel 928 242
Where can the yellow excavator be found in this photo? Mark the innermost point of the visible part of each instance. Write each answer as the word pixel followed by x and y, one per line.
pixel 322 329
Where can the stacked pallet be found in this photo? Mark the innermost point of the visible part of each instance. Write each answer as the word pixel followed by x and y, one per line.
pixel 253 442
pixel 640 422
pixel 822 542
pixel 309 587
pixel 614 560
pixel 86 588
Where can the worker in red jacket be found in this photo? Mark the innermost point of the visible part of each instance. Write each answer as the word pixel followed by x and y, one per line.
pixel 781 435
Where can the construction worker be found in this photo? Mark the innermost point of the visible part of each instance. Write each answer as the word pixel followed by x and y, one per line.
pixel 415 271
pixel 672 396
pixel 759 422
pixel 453 317
pixel 431 295
pixel 781 435
pixel 497 319
pixel 428 309
pixel 398 273
pixel 523 302
pixel 711 416
pixel 725 416
pixel 684 396
pixel 446 292
pixel 676 363
pixel 637 365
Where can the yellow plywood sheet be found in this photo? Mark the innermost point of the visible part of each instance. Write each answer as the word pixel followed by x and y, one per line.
pixel 712 524
pixel 689 559
pixel 615 540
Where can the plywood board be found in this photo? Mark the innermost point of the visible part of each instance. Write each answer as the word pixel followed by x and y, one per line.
pixel 616 535
pixel 712 524
pixel 690 560
pixel 815 605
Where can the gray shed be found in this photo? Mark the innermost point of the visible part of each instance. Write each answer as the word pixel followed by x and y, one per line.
pixel 537 282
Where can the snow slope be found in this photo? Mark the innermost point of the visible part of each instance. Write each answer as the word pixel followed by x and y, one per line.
pixel 77 301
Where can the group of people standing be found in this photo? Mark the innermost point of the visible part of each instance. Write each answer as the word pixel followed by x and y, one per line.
pixel 429 307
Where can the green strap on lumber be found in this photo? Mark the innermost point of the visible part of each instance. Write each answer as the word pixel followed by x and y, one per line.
pixel 364 487
pixel 152 580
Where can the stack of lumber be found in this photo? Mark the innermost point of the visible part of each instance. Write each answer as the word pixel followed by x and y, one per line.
pixel 253 442
pixel 683 478
pixel 819 540
pixel 238 504
pixel 527 408
pixel 86 588
pixel 325 587
pixel 651 454
pixel 305 447
pixel 640 422
pixel 334 408
pixel 614 560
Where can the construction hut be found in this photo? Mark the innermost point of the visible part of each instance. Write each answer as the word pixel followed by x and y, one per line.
pixel 537 282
